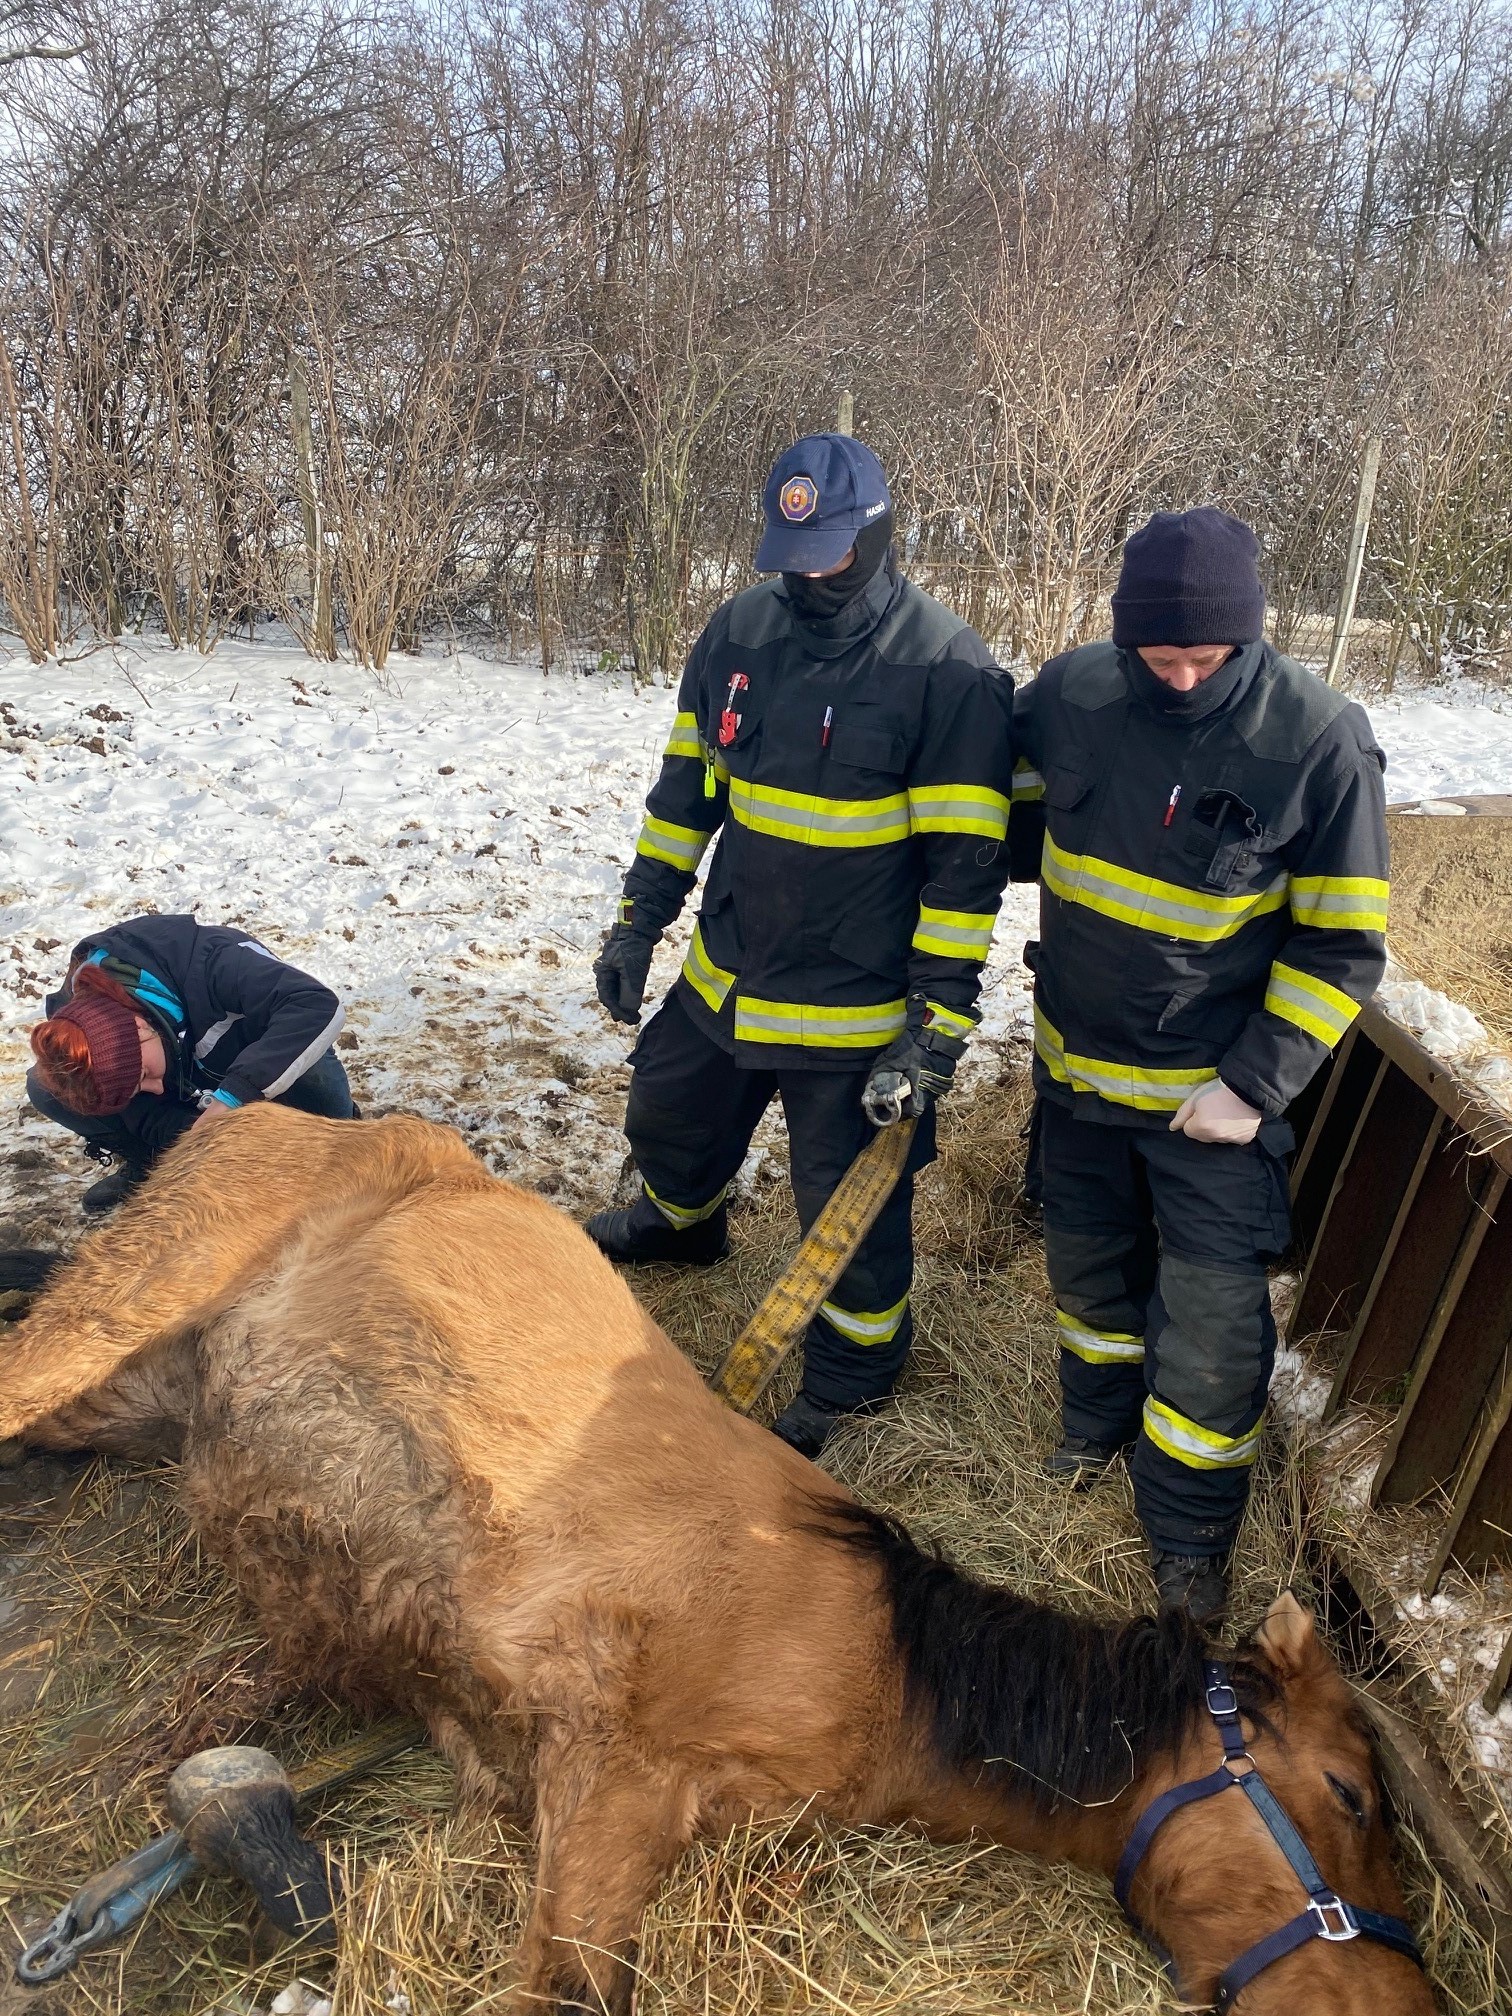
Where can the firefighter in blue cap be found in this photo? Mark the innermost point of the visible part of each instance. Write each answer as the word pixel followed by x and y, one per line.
pixel 849 740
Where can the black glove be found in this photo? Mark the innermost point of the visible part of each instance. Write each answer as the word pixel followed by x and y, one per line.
pixel 620 972
pixel 910 1072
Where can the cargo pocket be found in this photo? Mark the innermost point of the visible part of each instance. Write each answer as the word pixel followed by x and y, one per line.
pixel 1223 838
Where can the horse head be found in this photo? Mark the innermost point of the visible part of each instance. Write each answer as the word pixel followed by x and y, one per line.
pixel 1216 1882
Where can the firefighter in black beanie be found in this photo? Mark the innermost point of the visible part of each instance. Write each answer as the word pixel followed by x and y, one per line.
pixel 849 739
pixel 1206 819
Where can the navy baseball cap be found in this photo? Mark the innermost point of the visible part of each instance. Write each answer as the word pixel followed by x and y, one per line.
pixel 823 491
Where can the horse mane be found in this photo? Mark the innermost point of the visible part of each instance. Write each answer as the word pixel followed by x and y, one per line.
pixel 1065 1709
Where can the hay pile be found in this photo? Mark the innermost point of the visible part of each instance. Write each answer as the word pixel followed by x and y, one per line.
pixel 1451 910
pixel 131 1650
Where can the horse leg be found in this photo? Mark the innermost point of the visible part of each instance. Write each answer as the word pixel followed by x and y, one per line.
pixel 609 1826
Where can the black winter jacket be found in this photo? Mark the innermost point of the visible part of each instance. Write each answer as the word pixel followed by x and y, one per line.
pixel 233 1018
pixel 1213 891
pixel 859 768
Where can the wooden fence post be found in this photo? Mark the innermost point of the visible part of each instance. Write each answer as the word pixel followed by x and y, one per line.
pixel 845 414
pixel 324 639
pixel 1364 504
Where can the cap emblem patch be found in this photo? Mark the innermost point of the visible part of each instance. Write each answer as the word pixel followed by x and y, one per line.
pixel 799 499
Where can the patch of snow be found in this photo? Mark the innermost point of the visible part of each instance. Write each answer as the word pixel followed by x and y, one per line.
pixel 1445 747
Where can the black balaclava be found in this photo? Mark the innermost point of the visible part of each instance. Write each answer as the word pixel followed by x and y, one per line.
pixel 1232 676
pixel 818 601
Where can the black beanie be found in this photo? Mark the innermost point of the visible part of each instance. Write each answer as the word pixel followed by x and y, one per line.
pixel 1189 577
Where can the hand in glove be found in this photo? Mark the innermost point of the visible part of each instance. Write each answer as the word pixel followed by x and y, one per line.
pixel 916 1068
pixel 1213 1113
pixel 620 972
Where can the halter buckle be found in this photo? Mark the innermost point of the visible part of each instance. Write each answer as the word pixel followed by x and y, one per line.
pixel 1328 1910
pixel 1222 1701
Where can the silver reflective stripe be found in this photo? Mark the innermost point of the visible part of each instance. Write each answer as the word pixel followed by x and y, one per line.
pixel 213 1035
pixel 1152 905
pixel 306 1057
pixel 882 1021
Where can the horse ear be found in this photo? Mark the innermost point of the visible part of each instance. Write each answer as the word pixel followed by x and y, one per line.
pixel 1288 1637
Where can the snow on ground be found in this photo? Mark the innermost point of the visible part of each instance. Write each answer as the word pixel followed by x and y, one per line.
pixel 444 847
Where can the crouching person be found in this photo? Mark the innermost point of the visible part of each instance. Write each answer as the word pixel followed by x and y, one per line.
pixel 849 741
pixel 1206 820
pixel 163 1024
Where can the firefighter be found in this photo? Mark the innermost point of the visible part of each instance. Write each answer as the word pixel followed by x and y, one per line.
pixel 162 1023
pixel 848 739
pixel 1206 819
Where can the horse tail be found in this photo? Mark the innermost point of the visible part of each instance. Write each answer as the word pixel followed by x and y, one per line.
pixel 25 1269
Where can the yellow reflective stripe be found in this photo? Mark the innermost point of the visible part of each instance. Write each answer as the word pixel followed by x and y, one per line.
pixel 958 808
pixel 866 1326
pixel 814 1028
pixel 683 740
pixel 710 982
pixel 1027 783
pixel 1340 902
pixel 954 934
pixel 950 1020
pixel 1312 1004
pixel 1151 904
pixel 680 1216
pixel 1149 1091
pixel 815 821
pixel 680 846
pixel 1197 1447
pixel 1098 1347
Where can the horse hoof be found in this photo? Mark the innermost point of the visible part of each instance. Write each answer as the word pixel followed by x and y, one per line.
pixel 235 1808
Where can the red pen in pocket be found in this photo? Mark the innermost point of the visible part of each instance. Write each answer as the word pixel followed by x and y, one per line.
pixel 1170 812
pixel 824 732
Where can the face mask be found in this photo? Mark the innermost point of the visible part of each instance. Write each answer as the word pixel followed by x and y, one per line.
pixel 818 600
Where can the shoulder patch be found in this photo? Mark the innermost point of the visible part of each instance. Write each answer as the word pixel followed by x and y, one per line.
pixel 1286 710
pixel 917 629
pixel 1092 677
pixel 757 616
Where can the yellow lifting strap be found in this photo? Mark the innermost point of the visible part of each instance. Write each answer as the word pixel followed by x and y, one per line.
pixel 793 1300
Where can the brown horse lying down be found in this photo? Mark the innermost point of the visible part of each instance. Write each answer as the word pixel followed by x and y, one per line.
pixel 456 1468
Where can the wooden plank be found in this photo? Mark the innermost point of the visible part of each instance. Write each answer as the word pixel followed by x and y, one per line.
pixel 1487 1128
pixel 1327 1142
pixel 1362 1208
pixel 1386 1332
pixel 1460 1357
pixel 1501 1679
pixel 1478 1532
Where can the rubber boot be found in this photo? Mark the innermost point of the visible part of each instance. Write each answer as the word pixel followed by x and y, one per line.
pixel 642 1235
pixel 115 1188
pixel 1196 1583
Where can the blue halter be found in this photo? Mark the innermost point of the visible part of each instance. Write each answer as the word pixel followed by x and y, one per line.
pixel 1326 1916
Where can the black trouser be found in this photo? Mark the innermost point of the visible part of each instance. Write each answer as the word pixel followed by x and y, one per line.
pixel 1158 1248
pixel 153 1122
pixel 690 1119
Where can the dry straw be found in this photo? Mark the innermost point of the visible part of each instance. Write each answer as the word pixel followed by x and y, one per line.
pixel 139 1650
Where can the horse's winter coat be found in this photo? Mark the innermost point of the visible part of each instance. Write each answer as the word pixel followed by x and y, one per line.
pixel 456 1468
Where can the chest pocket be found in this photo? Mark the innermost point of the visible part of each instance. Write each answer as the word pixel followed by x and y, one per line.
pixel 1068 801
pixel 1224 839
pixel 878 748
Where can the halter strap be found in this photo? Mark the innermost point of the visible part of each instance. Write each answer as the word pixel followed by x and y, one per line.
pixel 1326 1916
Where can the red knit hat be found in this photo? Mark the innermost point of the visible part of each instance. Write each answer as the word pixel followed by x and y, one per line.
pixel 89 1054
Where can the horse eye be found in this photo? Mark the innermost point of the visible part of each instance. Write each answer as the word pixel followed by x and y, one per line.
pixel 1347 1796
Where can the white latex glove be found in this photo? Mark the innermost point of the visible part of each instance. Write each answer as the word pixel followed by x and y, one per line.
pixel 1213 1113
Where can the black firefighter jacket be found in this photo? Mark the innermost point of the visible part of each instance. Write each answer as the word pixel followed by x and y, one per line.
pixel 1213 891
pixel 858 771
pixel 233 1017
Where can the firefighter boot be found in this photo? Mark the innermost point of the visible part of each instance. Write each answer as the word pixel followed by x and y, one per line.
pixel 1197 1583
pixel 1081 1461
pixel 643 1234
pixel 806 1425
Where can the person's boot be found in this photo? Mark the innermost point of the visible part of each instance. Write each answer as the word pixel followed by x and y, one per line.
pixel 642 1235
pixel 806 1425
pixel 1197 1583
pixel 1081 1461
pixel 114 1188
